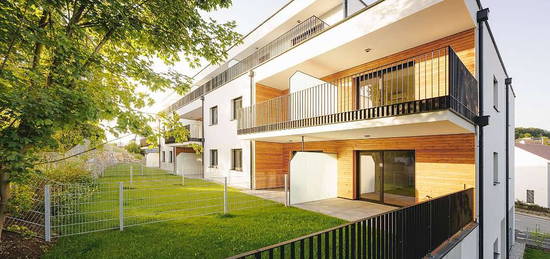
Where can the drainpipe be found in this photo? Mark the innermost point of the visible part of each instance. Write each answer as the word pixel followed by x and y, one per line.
pixel 481 121
pixel 508 83
pixel 203 136
pixel 252 102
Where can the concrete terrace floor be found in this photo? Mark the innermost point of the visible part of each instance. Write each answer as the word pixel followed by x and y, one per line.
pixel 345 209
pixel 349 210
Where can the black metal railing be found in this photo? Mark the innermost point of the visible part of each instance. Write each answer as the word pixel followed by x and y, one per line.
pixel 410 232
pixel 298 34
pixel 435 80
pixel 194 134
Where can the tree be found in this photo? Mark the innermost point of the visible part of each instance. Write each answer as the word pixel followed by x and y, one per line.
pixel 66 66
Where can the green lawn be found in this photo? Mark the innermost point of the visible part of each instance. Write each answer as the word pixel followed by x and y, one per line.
pixel 532 253
pixel 209 236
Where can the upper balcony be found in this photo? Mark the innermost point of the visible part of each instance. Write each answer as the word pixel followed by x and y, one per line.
pixel 195 135
pixel 433 81
pixel 303 31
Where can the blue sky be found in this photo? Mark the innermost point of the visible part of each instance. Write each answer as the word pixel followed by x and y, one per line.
pixel 521 28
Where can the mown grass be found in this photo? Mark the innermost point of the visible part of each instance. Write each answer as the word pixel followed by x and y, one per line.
pixel 212 235
pixel 533 253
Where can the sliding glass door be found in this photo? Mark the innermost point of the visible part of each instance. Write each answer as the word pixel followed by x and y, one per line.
pixel 387 176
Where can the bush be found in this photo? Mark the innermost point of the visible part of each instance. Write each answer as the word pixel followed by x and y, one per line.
pixel 21 199
pixel 133 148
pixel 73 171
pixel 22 230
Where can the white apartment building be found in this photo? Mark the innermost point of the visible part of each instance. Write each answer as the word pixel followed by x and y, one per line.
pixel 388 101
pixel 532 166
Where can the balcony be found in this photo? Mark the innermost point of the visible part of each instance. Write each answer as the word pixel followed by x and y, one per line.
pixel 433 81
pixel 298 34
pixel 195 135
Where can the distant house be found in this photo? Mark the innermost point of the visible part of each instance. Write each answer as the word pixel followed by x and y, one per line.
pixel 532 173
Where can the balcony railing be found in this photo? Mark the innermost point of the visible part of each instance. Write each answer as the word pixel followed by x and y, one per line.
pixel 411 232
pixel 433 81
pixel 299 33
pixel 195 134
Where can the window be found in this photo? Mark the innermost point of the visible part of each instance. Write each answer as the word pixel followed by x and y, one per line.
pixel 495 93
pixel 530 196
pixel 170 154
pixel 213 158
pixel 236 104
pixel 237 159
pixel 163 156
pixel 214 115
pixel 495 168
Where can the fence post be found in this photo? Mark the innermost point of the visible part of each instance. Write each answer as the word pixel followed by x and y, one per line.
pixel 47 213
pixel 287 196
pixel 131 175
pixel 225 209
pixel 121 205
pixel 182 179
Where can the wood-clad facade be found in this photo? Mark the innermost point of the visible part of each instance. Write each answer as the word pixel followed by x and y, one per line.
pixel 444 163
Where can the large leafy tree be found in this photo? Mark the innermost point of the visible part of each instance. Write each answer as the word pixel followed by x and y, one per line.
pixel 66 66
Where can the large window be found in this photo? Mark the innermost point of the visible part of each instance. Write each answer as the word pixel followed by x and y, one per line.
pixel 214 115
pixel 236 104
pixel 213 158
pixel 237 159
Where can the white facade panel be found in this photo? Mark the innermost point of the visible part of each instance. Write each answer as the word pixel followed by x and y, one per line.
pixel 467 248
pixel 313 176
pixel 223 136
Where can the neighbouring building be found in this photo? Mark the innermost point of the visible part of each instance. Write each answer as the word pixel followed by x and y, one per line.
pixel 532 163
pixel 388 101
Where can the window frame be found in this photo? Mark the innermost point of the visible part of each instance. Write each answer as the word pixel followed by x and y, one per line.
pixel 211 163
pixel 170 156
pixel 532 196
pixel 164 156
pixel 234 108
pixel 211 119
pixel 234 159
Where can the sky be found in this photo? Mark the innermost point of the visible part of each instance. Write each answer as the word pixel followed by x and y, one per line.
pixel 521 29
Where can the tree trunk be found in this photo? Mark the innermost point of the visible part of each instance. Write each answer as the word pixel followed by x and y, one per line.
pixel 4 196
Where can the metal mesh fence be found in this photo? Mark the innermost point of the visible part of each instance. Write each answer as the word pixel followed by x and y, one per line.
pixel 130 194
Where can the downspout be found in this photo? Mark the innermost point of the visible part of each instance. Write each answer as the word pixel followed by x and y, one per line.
pixel 203 137
pixel 252 102
pixel 507 82
pixel 481 121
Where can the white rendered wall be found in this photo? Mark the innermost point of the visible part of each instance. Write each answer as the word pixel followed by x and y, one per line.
pixel 166 165
pixel 467 248
pixel 152 160
pixel 313 176
pixel 532 174
pixel 188 164
pixel 223 136
pixel 494 141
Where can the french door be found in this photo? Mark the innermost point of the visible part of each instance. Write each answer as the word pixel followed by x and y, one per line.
pixel 386 177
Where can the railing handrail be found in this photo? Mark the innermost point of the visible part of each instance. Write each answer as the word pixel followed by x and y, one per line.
pixel 266 248
pixel 201 90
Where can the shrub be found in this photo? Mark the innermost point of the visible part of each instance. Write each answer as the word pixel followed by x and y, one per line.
pixel 22 230
pixel 133 148
pixel 21 199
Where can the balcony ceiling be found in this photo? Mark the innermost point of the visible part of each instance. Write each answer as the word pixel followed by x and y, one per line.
pixel 434 22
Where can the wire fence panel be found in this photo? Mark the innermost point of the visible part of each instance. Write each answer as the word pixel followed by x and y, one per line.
pixel 130 194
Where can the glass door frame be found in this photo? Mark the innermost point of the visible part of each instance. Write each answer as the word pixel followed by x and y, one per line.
pixel 357 174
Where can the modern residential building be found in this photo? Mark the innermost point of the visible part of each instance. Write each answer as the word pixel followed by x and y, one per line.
pixel 389 101
pixel 532 162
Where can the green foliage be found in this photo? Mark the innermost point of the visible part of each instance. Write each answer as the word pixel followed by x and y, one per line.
pixel 21 199
pixel 69 171
pixel 533 253
pixel 66 66
pixel 531 207
pixel 22 230
pixel 134 148
pixel 531 132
